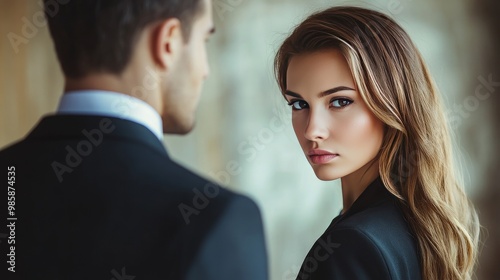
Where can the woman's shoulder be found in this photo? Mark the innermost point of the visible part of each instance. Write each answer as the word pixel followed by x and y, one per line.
pixel 366 245
pixel 377 221
pixel 380 232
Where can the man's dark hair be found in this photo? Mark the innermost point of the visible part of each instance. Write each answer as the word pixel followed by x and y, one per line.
pixel 99 35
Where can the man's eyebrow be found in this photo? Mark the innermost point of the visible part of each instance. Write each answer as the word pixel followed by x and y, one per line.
pixel 321 94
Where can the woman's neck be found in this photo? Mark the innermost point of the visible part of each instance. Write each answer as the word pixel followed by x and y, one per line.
pixel 355 183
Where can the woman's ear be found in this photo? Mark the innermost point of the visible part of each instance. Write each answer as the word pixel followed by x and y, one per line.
pixel 167 43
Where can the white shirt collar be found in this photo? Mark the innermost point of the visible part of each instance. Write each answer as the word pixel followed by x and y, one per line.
pixel 111 104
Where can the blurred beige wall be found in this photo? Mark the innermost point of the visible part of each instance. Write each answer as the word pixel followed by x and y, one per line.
pixel 243 122
pixel 30 79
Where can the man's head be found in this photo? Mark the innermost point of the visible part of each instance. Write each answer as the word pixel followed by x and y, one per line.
pixel 150 49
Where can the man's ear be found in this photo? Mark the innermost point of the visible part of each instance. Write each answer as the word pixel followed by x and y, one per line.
pixel 167 43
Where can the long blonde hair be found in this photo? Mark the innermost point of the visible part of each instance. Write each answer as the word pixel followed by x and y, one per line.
pixel 416 162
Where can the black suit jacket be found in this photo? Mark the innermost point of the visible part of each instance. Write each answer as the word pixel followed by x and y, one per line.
pixel 99 198
pixel 371 240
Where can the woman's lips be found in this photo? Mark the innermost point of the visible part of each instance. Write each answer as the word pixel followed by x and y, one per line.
pixel 321 157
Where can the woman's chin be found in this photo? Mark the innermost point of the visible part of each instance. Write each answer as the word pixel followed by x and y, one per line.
pixel 326 175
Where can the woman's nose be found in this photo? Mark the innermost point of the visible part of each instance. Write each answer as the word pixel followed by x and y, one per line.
pixel 317 125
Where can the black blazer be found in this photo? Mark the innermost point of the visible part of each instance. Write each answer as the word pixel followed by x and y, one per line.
pixel 371 240
pixel 99 198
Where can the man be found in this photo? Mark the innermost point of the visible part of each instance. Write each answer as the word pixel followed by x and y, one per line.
pixel 95 193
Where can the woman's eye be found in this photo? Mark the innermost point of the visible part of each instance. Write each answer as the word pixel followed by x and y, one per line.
pixel 298 104
pixel 341 102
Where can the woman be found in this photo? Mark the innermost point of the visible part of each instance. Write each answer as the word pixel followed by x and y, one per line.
pixel 366 110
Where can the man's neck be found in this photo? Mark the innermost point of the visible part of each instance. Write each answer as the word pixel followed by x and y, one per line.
pixel 124 84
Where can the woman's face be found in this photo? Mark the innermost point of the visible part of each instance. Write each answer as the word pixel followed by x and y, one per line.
pixel 337 132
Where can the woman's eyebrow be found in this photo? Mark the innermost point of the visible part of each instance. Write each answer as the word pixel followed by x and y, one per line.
pixel 334 90
pixel 321 94
pixel 294 94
